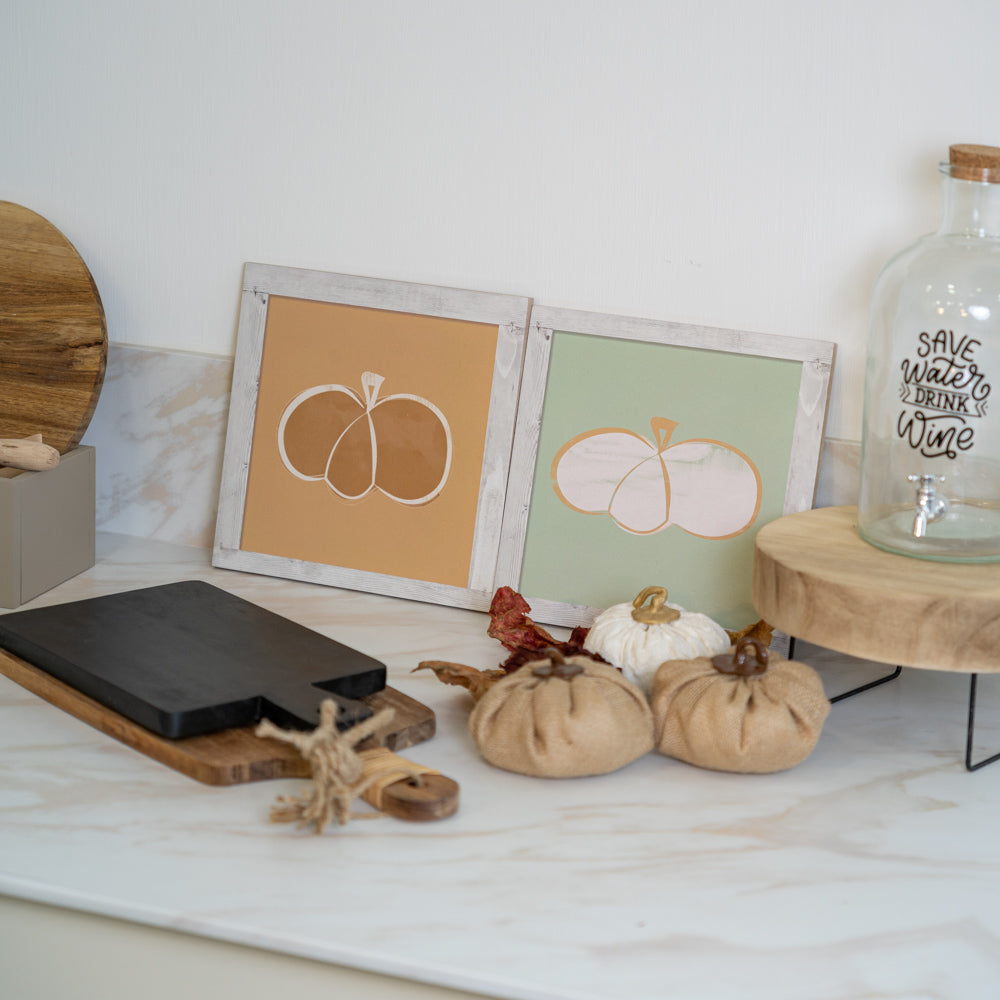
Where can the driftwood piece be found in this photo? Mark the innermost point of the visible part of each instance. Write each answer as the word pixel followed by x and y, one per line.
pixel 28 453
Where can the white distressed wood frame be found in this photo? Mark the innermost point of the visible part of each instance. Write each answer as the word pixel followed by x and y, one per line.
pixel 816 357
pixel 508 313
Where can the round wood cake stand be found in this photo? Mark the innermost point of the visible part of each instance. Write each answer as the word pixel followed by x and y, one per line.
pixel 816 579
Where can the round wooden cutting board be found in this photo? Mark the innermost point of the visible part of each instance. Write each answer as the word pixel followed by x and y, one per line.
pixel 53 334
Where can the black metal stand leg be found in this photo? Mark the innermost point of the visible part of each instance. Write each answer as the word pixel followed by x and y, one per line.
pixel 868 686
pixel 853 691
pixel 970 731
pixel 969 766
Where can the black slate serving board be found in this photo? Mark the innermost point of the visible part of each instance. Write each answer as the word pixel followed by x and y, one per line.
pixel 186 659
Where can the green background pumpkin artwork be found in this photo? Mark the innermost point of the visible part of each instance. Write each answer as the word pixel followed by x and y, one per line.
pixel 651 514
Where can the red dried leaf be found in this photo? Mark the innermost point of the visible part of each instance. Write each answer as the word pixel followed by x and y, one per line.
pixel 525 639
pixel 511 626
pixel 519 658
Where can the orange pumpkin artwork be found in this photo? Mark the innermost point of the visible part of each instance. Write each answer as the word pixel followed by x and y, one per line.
pixel 705 487
pixel 399 445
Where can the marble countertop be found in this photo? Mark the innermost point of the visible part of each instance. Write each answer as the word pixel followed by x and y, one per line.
pixel 870 870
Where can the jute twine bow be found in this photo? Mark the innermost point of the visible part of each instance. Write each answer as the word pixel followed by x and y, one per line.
pixel 340 772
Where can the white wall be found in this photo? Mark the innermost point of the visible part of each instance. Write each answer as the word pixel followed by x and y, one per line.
pixel 738 163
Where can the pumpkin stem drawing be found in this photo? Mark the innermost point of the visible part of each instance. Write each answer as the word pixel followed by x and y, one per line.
pixel 705 487
pixel 399 445
pixel 662 429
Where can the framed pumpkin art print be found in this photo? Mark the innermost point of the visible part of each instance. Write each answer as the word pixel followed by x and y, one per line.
pixel 369 434
pixel 650 453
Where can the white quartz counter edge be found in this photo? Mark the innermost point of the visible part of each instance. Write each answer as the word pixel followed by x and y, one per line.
pixel 868 870
pixel 376 962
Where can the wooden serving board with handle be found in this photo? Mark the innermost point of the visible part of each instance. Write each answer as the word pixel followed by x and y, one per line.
pixel 53 333
pixel 230 757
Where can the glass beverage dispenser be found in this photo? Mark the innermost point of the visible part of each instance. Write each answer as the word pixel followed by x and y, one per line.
pixel 930 458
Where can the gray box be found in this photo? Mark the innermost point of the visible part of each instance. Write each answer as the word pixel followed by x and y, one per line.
pixel 46 526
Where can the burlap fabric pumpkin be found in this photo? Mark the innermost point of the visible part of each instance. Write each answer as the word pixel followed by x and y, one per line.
pixel 562 718
pixel 746 710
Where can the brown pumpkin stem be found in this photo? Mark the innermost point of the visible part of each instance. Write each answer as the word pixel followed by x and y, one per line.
pixel 739 663
pixel 557 666
pixel 657 613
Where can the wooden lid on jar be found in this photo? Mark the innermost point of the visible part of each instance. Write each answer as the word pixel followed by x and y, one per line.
pixel 970 162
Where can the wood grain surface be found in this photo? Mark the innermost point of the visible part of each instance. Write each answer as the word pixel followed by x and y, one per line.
pixel 231 757
pixel 429 797
pixel 817 579
pixel 53 334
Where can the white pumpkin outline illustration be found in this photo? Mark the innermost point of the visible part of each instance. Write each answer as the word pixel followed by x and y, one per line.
pixel 648 485
pixel 370 383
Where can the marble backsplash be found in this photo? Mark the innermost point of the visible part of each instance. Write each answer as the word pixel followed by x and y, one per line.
pixel 839 470
pixel 159 433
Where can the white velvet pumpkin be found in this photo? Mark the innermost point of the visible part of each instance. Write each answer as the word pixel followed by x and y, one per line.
pixel 637 639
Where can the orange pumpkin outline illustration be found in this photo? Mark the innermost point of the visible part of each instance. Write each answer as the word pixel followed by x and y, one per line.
pixel 705 487
pixel 407 457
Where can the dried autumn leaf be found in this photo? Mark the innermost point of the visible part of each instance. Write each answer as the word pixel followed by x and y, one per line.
pixel 572 647
pixel 476 682
pixel 511 626
pixel 760 630
pixel 525 639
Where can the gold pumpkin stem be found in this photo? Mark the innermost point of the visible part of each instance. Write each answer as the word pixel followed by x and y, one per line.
pixel 657 613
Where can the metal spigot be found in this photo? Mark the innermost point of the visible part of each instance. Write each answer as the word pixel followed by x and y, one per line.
pixel 931 506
